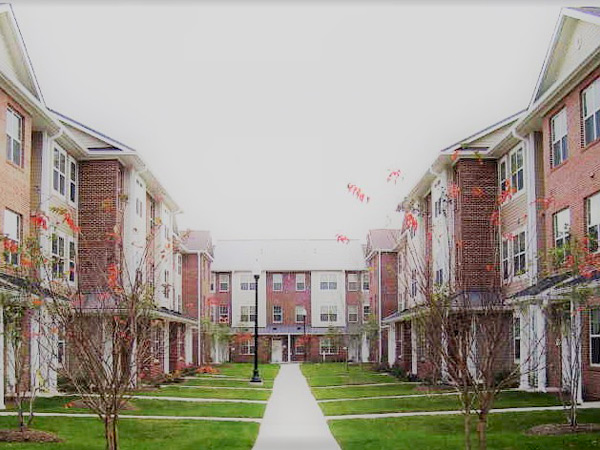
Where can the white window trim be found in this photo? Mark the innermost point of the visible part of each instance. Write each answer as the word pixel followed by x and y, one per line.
pixel 506 160
pixel 56 258
pixel 225 277
pixel 356 282
pixel 566 233
pixel 365 275
pixel 588 218
pixel 248 314
pixel 512 261
pixel 212 283
pixel 301 279
pixel 515 338
pixel 507 260
pixel 330 345
pixel 273 282
pixel 10 110
pixel 280 314
pixel 296 315
pixel 593 336
pixel 327 279
pixel 330 310
pixel 355 309
pixel 562 112
pixel 248 346
pixel 594 89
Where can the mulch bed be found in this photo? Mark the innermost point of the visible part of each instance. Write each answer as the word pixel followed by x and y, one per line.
pixel 28 436
pixel 555 429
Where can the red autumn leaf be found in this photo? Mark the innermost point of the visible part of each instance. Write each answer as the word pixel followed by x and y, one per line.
pixel 477 192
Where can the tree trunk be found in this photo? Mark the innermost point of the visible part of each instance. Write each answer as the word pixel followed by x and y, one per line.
pixel 110 432
pixel 481 431
pixel 467 421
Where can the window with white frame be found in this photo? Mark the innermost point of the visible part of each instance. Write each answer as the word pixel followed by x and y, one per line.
pixel 366 312
pixel 328 282
pixel 505 259
pixel 413 284
pixel 517 338
pixel 223 282
pixel 214 313
pixel 247 283
pixel 516 170
pixel 590 99
pixel 365 281
pixel 179 263
pixel 14 137
pixel 72 260
pixel 562 227
pixel 247 313
pixel 328 313
pixel 13 227
pixel 327 346
pixel 58 254
pixel 353 282
pixel 595 336
pixel 277 314
pixel 247 347
pixel 352 313
pixel 503 175
pixel 299 345
pixel 300 314
pixel 223 314
pixel 437 207
pixel 439 277
pixel 213 282
pixel 277 282
pixel 519 260
pixel 558 134
pixel 72 181
pixel 59 171
pixel 593 221
pixel 167 284
pixel 300 282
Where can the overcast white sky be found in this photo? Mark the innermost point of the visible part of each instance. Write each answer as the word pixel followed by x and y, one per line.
pixel 255 116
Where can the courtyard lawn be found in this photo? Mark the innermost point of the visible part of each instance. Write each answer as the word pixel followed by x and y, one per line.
pixel 505 431
pixel 224 382
pixel 357 391
pixel 335 374
pixel 432 403
pixel 161 408
pixel 199 392
pixel 244 370
pixel 88 434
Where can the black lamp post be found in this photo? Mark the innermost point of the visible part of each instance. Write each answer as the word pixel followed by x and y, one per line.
pixel 304 343
pixel 255 374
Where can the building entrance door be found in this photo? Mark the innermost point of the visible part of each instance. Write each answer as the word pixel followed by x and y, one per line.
pixel 276 351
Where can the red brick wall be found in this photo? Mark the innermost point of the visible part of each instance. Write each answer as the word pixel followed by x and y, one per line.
pixel 98 203
pixel 579 176
pixel 389 283
pixel 288 298
pixel 477 256
pixel 189 285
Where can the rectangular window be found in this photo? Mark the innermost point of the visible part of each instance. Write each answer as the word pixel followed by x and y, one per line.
pixel 214 313
pixel 517 338
pixel 519 264
pixel 12 230
pixel 366 312
pixel 58 255
pixel 14 137
pixel 353 282
pixel 590 99
pixel 328 313
pixel 595 336
pixel 328 282
pixel 327 346
pixel 247 314
pixel 562 226
pixel 59 171
pixel 247 283
pixel 167 284
pixel 179 263
pixel 224 282
pixel 365 282
pixel 352 313
pixel 439 277
pixel 277 282
pixel 72 258
pixel 223 314
pixel 299 345
pixel 300 282
pixel 558 131
pixel 300 314
pixel 73 181
pixel 413 284
pixel 213 282
pixel 503 176
pixel 505 259
pixel 516 170
pixel 593 221
pixel 277 314
pixel 247 347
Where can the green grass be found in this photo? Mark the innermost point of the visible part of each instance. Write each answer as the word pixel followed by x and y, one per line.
pixel 334 374
pixel 365 391
pixel 219 382
pixel 88 434
pixel 505 431
pixel 432 403
pixel 161 408
pixel 244 370
pixel 179 391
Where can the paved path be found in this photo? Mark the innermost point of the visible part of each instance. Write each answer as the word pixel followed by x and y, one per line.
pixel 293 420
pixel 586 405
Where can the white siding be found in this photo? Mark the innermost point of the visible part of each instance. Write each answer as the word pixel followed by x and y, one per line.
pixel 241 298
pixel 327 297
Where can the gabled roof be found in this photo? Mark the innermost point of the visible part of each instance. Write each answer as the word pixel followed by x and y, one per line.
pixel 567 47
pixel 14 59
pixel 287 255
pixel 197 241
pixel 383 239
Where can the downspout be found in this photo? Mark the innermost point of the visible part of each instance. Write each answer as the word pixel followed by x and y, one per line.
pixel 379 304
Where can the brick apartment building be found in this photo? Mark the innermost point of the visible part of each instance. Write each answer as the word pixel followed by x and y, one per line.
pixel 312 296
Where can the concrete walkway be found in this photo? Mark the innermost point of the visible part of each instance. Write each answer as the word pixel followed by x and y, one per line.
pixel 586 405
pixel 293 420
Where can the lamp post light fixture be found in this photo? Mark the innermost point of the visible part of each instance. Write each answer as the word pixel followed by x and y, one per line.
pixel 255 374
pixel 303 312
